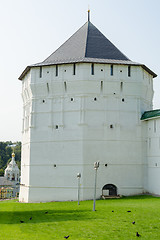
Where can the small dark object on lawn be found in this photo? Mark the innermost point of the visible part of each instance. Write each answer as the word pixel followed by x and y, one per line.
pixel 30 218
pixel 66 237
pixel 137 234
pixel 133 222
pixel 21 221
pixel 128 211
pixel 112 211
pixel 46 212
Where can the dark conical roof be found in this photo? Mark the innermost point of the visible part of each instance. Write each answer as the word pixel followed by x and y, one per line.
pixel 88 44
pixel 98 46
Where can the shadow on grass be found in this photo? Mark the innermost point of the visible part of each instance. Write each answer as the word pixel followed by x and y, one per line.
pixel 40 216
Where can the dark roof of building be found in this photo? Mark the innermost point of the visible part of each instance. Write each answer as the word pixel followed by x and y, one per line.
pixel 88 44
pixel 5 182
pixel 150 114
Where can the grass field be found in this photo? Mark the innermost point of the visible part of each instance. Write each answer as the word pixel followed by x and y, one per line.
pixel 54 220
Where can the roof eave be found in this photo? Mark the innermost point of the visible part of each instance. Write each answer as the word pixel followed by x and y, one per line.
pixel 149 70
pixel 88 60
pixel 24 72
pixel 150 114
pixel 149 118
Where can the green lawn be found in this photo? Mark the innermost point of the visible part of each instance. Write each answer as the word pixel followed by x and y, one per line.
pixel 111 220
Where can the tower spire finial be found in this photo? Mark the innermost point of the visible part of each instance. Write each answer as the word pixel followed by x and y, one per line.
pixel 88 14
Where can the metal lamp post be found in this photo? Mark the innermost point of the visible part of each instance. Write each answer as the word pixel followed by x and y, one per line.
pixel 96 166
pixel 78 177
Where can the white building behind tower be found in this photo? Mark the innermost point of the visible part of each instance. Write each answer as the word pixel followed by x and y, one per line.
pixel 12 170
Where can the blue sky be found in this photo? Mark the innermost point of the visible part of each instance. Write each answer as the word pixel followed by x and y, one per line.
pixel 31 30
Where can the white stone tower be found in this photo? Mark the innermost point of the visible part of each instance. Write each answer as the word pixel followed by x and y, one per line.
pixel 83 104
pixel 12 170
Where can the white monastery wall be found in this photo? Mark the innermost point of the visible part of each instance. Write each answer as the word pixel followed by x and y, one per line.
pixel 153 154
pixel 71 121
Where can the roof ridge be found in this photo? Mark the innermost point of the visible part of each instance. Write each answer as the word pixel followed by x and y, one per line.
pixel 87 38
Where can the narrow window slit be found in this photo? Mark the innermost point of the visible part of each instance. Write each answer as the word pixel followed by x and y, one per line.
pixel 48 87
pixel 74 69
pixel 56 70
pixel 121 86
pixel 92 69
pixel 129 71
pixel 40 72
pixel 65 86
pixel 111 70
pixel 101 86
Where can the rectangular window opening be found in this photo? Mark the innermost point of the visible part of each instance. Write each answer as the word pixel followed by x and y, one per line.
pixel 121 86
pixel 40 72
pixel 129 71
pixel 111 70
pixel 48 87
pixel 56 70
pixel 74 69
pixel 65 86
pixel 101 86
pixel 92 68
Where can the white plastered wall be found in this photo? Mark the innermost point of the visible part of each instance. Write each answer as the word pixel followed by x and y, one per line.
pixel 75 120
